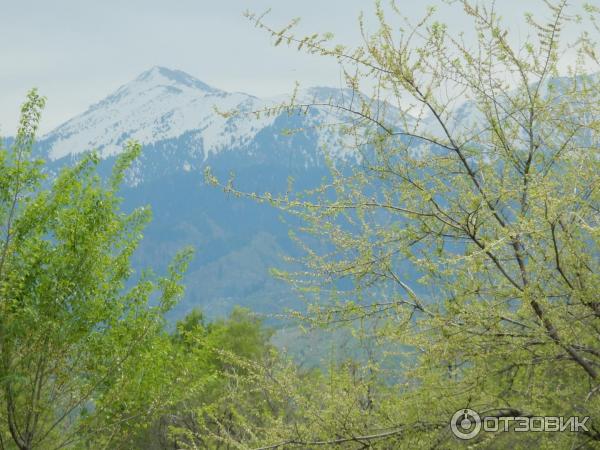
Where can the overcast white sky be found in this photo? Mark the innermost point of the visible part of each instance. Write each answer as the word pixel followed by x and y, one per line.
pixel 78 51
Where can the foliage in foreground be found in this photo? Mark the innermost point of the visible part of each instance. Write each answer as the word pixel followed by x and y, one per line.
pixel 496 209
pixel 84 357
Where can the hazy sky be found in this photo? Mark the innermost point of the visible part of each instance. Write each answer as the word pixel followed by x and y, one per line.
pixel 78 51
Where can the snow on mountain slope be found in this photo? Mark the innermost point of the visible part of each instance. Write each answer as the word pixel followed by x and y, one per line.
pixel 163 104
pixel 159 104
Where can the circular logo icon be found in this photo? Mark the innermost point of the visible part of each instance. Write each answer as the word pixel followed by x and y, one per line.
pixel 465 424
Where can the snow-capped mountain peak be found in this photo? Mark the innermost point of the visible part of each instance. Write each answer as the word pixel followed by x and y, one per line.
pixel 162 106
pixel 162 76
pixel 159 104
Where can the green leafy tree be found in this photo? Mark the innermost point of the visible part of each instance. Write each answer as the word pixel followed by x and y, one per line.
pixel 83 354
pixel 470 233
pixel 213 362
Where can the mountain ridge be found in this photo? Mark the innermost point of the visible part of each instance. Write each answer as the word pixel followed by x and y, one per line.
pixel 162 104
pixel 171 114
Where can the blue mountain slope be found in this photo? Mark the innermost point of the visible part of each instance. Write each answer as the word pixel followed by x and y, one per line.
pixel 237 240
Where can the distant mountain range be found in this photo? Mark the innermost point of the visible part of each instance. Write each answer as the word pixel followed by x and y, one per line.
pixel 174 116
pixel 162 107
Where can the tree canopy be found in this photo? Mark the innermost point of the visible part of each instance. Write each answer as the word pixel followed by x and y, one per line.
pixel 82 345
pixel 469 231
